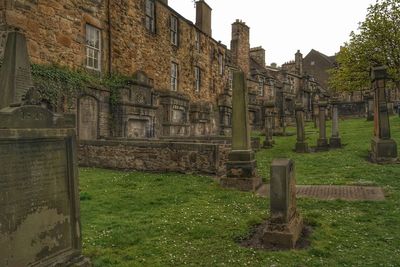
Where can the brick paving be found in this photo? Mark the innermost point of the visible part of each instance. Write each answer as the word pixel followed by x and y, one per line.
pixel 331 192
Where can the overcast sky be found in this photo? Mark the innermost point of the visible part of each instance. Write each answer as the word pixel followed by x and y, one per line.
pixel 284 26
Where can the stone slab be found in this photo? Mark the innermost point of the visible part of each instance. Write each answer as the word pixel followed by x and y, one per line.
pixel 330 192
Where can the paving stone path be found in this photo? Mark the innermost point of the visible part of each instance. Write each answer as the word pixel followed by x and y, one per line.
pixel 330 192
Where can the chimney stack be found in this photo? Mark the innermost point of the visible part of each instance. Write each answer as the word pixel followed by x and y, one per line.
pixel 299 62
pixel 258 55
pixel 240 46
pixel 203 17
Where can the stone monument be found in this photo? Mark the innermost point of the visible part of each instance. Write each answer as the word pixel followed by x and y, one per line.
pixel 322 143
pixel 285 224
pixel 335 140
pixel 383 148
pixel 15 74
pixel 39 196
pixel 241 165
pixel 269 132
pixel 301 144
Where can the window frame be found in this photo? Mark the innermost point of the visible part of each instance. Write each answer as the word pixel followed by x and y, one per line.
pixel 174 76
pixel 197 79
pixel 174 30
pixel 261 83
pixel 220 64
pixel 150 17
pixel 197 40
pixel 93 47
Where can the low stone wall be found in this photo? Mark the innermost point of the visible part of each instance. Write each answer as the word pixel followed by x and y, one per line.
pixel 155 155
pixel 352 109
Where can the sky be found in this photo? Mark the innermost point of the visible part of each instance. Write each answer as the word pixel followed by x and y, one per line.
pixel 282 27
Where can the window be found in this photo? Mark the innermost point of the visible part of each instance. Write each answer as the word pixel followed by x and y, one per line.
pixel 197 40
pixel 260 86
pixel 174 76
pixel 230 79
pixel 174 30
pixel 197 79
pixel 150 16
pixel 220 64
pixel 93 47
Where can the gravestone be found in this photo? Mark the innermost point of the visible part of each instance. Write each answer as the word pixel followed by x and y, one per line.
pixel 322 143
pixel 369 103
pixel 301 144
pixel 383 148
pixel 39 196
pixel 241 166
pixel 335 140
pixel 269 132
pixel 285 224
pixel 15 74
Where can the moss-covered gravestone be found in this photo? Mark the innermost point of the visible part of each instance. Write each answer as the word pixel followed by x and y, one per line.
pixel 301 144
pixel 322 142
pixel 241 165
pixel 383 148
pixel 285 224
pixel 335 140
pixel 269 131
pixel 39 197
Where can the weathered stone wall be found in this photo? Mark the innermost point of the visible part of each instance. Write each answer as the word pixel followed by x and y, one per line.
pixel 157 156
pixel 56 29
pixel 352 109
pixel 56 34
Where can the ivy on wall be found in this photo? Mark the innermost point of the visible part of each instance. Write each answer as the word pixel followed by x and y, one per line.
pixel 57 83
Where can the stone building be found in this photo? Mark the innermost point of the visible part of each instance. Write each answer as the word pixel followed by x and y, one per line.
pixel 181 77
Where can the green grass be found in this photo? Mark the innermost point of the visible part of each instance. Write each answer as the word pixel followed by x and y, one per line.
pixel 141 219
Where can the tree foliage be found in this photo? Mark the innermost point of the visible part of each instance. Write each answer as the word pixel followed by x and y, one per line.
pixel 377 42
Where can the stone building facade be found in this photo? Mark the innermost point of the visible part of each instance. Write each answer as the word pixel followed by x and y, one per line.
pixel 181 76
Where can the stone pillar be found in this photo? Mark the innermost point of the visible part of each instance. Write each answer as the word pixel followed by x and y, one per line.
pixel 241 165
pixel 301 144
pixel 383 148
pixel 285 224
pixel 335 140
pixel 269 132
pixel 322 143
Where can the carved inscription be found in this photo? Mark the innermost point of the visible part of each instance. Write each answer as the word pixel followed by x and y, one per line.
pixel 34 200
pixel 22 82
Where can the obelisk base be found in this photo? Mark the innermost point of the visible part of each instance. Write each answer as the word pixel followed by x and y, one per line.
pixel 383 151
pixel 335 142
pixel 241 171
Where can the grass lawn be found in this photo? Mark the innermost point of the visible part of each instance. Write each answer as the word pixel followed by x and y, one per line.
pixel 141 219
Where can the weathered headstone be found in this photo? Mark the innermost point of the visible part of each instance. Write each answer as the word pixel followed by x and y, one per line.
pixel 335 140
pixel 15 74
pixel 301 144
pixel 383 148
pixel 269 131
pixel 39 196
pixel 241 165
pixel 369 103
pixel 285 224
pixel 322 143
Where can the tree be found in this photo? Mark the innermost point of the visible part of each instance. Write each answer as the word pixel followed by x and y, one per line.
pixel 376 43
